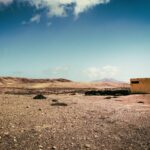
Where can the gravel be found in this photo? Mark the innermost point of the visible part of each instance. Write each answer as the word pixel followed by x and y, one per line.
pixel 87 122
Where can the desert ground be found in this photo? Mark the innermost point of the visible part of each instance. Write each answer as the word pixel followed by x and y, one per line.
pixel 69 120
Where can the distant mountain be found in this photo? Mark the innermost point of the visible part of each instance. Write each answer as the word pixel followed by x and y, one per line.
pixel 109 80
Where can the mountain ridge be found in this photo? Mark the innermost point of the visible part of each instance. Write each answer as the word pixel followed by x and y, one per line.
pixel 112 80
pixel 9 80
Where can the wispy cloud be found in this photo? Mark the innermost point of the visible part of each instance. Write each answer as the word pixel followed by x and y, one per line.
pixel 49 24
pixel 104 72
pixel 5 2
pixel 35 19
pixel 59 71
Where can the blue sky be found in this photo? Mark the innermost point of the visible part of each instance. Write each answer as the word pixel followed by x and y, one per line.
pixel 82 40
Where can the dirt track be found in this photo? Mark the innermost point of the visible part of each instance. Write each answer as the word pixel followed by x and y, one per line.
pixel 86 123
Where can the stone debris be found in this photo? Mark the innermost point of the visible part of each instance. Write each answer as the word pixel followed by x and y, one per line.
pixel 15 140
pixel 96 136
pixel 59 104
pixel 108 97
pixel 140 102
pixel 39 96
pixel 87 145
pixel 92 124
pixel 6 133
pixel 40 146
pixel 53 148
pixel 55 100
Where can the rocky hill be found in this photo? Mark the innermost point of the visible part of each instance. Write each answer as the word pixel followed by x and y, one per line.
pixel 15 80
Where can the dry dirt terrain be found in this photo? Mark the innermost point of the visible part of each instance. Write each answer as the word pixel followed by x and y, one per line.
pixel 9 85
pixel 74 121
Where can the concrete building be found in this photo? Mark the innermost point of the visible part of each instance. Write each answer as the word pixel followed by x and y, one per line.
pixel 140 85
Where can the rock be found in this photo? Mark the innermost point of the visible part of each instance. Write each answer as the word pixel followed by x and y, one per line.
pixel 40 146
pixel 109 136
pixel 15 140
pixel 22 130
pixel 54 100
pixel 53 148
pixel 40 109
pixel 64 129
pixel 140 102
pixel 39 96
pixel 59 104
pixel 73 94
pixel 6 133
pixel 12 126
pixel 115 96
pixel 108 97
pixel 96 136
pixel 87 145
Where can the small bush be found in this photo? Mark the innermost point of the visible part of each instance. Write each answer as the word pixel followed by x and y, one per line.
pixel 113 92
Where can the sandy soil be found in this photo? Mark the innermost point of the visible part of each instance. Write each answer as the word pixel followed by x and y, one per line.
pixel 87 122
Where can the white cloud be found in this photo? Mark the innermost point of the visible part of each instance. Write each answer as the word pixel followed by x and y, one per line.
pixel 83 5
pixel 56 10
pixel 104 72
pixel 59 7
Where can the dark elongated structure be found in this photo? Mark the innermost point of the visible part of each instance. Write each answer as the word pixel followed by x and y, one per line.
pixel 114 92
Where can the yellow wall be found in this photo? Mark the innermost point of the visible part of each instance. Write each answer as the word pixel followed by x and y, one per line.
pixel 142 87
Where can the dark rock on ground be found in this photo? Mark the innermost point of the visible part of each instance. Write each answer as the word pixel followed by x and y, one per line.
pixel 55 100
pixel 108 97
pixel 39 96
pixel 141 102
pixel 59 104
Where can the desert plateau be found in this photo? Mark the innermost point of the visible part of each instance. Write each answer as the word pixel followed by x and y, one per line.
pixel 67 119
